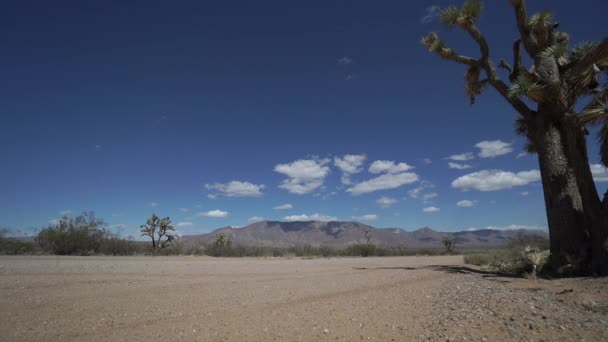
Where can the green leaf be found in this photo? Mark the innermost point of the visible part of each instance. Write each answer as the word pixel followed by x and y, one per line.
pixel 523 86
pixel 472 9
pixel 558 52
pixel 449 16
pixel 541 20
pixel 581 49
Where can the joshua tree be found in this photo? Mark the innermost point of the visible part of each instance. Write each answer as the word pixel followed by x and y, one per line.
pixel 368 236
pixel 449 244
pixel 545 97
pixel 159 230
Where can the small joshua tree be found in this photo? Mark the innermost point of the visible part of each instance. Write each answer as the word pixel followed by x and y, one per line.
pixel 159 230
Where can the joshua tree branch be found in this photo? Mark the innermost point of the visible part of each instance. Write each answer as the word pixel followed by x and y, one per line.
pixel 435 45
pixel 488 66
pixel 601 96
pixel 474 32
pixel 516 103
pixel 505 65
pixel 596 55
pixel 522 25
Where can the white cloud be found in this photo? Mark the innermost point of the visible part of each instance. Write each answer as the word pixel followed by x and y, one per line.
pixel 431 209
pixel 426 198
pixel 345 60
pixel 524 193
pixel 65 212
pixel 183 210
pixel 184 224
pixel 384 182
pixel 211 196
pixel 431 13
pixel 462 157
pixel 237 189
pixel 283 207
pixel 120 226
pixel 511 227
pixel 304 175
pixel 492 180
pixel 313 217
pixel 386 202
pixel 255 219
pixel 368 217
pixel 522 154
pixel 466 203
pixel 213 213
pixel 388 166
pixel 600 173
pixel 349 164
pixel 459 166
pixel 416 192
pixel 427 161
pixel 54 222
pixel 494 148
pixel 153 204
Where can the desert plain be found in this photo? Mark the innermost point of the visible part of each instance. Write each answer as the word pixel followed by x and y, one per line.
pixel 58 298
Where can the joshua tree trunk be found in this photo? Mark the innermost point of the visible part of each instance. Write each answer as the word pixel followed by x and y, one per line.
pixel 577 222
pixel 559 77
pixel 563 201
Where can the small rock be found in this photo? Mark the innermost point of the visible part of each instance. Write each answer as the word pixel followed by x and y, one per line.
pixel 326 331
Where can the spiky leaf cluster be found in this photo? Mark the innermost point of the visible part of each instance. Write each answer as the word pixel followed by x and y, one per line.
pixel 562 37
pixel 433 43
pixel 525 87
pixel 581 49
pixel 541 21
pixel 557 51
pixel 470 10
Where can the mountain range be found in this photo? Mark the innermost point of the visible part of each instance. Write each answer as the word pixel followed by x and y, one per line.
pixel 338 233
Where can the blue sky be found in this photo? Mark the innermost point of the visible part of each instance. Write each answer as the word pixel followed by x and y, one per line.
pixel 215 112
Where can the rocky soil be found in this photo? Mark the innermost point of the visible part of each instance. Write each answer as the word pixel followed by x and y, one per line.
pixel 482 307
pixel 339 299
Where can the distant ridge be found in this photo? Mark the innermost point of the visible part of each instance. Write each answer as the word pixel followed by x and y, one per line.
pixel 340 233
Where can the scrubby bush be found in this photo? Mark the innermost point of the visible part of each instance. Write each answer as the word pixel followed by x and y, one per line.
pixel 525 254
pixel 10 246
pixel 81 235
pixel 84 234
pixel 221 246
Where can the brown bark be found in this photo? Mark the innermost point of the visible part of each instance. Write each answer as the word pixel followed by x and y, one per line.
pixel 577 224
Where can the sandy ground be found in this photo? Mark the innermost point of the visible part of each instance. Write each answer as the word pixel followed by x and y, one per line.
pixel 346 299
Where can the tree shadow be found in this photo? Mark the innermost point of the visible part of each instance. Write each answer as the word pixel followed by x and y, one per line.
pixel 469 270
pixel 385 268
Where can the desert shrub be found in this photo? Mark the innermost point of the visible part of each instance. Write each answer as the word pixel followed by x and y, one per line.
pixel 221 246
pixel 361 249
pixel 11 246
pixel 534 258
pixel 81 235
pixel 84 234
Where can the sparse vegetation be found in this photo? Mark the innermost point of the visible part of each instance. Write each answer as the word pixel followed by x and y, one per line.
pixel 525 254
pixel 84 234
pixel 10 246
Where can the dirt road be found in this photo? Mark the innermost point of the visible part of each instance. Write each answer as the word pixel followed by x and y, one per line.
pixel 346 299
